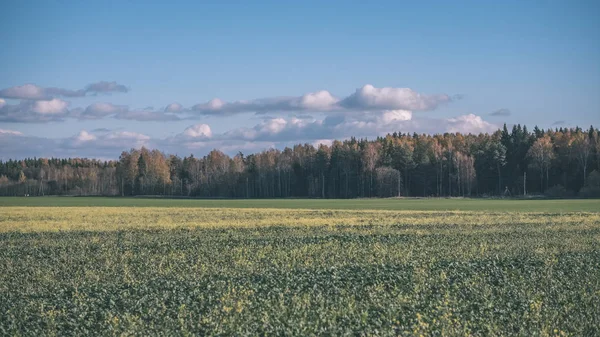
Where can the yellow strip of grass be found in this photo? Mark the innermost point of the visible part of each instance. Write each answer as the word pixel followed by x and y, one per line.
pixel 48 219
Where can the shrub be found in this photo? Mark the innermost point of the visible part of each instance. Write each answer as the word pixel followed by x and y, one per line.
pixel 557 191
pixel 592 186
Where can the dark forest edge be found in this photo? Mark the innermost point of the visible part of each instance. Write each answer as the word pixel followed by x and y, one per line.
pixel 562 162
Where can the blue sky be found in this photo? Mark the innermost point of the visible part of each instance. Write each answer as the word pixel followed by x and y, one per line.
pixel 535 62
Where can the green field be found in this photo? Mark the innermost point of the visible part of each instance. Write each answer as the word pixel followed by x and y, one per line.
pixel 387 267
pixel 508 205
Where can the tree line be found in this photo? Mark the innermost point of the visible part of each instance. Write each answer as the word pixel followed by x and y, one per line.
pixel 556 162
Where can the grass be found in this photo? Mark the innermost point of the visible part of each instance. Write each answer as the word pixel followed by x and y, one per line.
pixel 270 271
pixel 497 205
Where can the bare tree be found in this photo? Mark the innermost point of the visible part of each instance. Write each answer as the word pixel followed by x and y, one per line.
pixel 541 154
pixel 370 156
pixel 583 148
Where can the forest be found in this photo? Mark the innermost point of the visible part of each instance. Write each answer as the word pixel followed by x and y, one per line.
pixel 563 162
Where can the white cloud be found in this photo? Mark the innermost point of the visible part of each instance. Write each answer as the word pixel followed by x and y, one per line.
pixel 106 144
pixel 215 104
pixel 198 131
pixel 390 116
pixel 273 126
pixel 395 103
pixel 10 132
pixel 145 115
pixel 33 92
pixel 387 98
pixel 469 124
pixel 85 136
pixel 127 135
pixel 367 124
pixel 366 98
pixel 100 110
pixel 34 111
pixel 53 106
pixel 317 101
pixel 2 103
pixel 26 91
pixel 173 107
pixel 42 111
pixel 277 129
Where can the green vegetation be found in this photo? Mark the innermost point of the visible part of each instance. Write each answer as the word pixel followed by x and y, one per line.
pixel 508 205
pixel 244 271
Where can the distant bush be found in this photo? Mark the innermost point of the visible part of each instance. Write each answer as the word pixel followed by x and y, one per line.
pixel 557 191
pixel 590 192
pixel 593 179
pixel 591 189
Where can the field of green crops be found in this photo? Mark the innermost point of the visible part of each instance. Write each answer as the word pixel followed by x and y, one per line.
pixel 414 204
pixel 239 270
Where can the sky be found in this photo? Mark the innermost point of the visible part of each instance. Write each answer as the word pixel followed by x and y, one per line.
pixel 91 79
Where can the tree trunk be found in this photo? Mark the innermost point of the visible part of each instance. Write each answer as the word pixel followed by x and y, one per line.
pixel 499 180
pixel 449 181
pixel 346 185
pixel 322 186
pixel 371 185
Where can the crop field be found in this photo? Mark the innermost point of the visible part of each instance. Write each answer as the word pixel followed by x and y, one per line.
pixel 238 269
pixel 415 204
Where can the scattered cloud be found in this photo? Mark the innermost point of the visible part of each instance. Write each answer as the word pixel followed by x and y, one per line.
pixel 101 130
pixel 33 92
pixel 38 111
pixel 326 142
pixel 174 107
pixel 53 106
pixel 501 112
pixel 146 115
pixel 559 123
pixel 104 144
pixel 315 118
pixel 469 124
pixel 278 129
pixel 84 136
pixel 391 116
pixel 396 103
pixel 101 110
pixel 316 101
pixel 128 135
pixel 53 110
pixel 274 132
pixel 198 131
pixel 27 91
pixel 105 87
pixel 368 124
pixel 369 98
pixel 10 132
